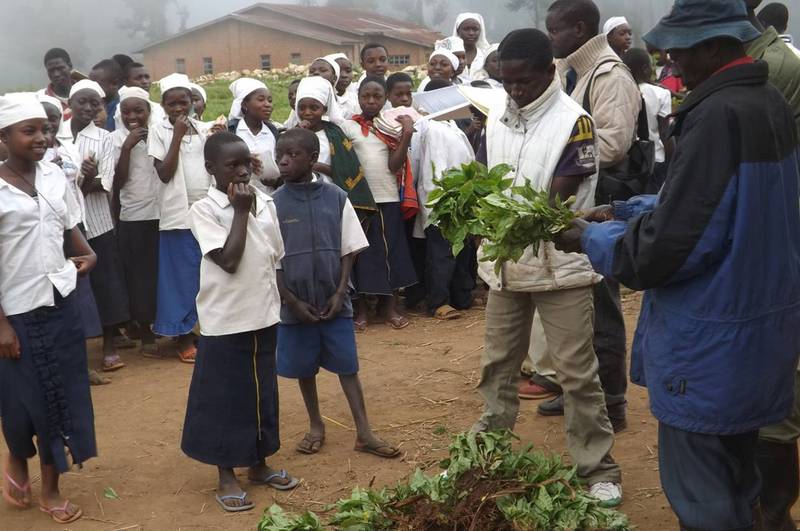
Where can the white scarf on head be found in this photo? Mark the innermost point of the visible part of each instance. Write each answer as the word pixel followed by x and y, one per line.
pixel 241 88
pixel 321 90
pixel 174 81
pixel 87 84
pixel 483 42
pixel 447 54
pixel 613 23
pixel 337 70
pixel 16 107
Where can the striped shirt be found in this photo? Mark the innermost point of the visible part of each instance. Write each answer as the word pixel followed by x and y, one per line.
pixel 93 141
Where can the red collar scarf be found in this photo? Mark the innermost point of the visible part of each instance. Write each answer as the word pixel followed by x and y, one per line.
pixel 409 203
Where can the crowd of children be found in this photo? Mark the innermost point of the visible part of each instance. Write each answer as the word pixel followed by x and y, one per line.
pixel 262 249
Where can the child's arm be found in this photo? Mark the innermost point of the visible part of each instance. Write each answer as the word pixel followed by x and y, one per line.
pixel 323 168
pixel 230 255
pixel 398 157
pixel 166 168
pixel 121 171
pixel 85 259
pixel 303 311
pixel 89 173
pixel 334 305
pixel 9 344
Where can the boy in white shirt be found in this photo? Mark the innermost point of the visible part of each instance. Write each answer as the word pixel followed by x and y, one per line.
pixel 135 187
pixel 238 304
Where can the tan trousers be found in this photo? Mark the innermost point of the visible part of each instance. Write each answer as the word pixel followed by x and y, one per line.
pixel 567 318
pixel 538 357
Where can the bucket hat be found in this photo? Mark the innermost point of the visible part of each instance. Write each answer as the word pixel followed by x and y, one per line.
pixel 691 22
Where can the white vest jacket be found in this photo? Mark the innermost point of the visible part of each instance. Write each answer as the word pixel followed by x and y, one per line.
pixel 532 141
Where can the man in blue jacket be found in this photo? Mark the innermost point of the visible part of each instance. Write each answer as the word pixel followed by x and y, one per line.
pixel 718 251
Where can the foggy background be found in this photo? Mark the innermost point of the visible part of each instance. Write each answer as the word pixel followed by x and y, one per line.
pixel 91 30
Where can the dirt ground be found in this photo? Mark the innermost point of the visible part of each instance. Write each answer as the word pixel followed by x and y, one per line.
pixel 420 387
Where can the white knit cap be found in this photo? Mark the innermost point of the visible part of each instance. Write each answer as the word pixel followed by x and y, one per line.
pixel 174 81
pixel 241 88
pixel 483 41
pixel 16 107
pixel 337 56
pixel 454 44
pixel 44 98
pixel 337 70
pixel 201 90
pixel 613 23
pixel 321 90
pixel 87 84
pixel 448 54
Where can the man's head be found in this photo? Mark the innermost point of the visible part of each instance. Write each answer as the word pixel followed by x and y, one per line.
pixel 108 74
pixel 136 75
pixel 228 159
pixel 375 59
pixel 122 60
pixel 526 65
pixel 640 64
pixel 701 61
pixel 296 153
pixel 59 69
pixel 775 15
pixel 571 24
pixel 399 87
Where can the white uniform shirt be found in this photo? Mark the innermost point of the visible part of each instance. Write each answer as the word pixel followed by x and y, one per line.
pixel 138 199
pixel 247 300
pixel 32 229
pixel 71 166
pixel 324 147
pixel 658 104
pixel 374 157
pixel 191 180
pixel 93 141
pixel 263 146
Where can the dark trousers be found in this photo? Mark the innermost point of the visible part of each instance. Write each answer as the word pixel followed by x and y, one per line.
pixel 609 341
pixel 448 279
pixel 711 481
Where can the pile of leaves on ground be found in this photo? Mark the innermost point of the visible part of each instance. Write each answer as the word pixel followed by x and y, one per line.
pixel 487 484
pixel 474 201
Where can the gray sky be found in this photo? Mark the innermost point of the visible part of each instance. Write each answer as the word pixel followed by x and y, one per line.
pixel 92 30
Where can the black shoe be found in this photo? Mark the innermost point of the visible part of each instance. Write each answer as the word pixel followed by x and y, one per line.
pixel 546 383
pixel 778 465
pixel 552 408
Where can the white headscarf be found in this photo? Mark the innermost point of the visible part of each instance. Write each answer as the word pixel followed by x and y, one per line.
pixel 454 44
pixel 87 84
pixel 483 42
pixel 241 88
pixel 126 93
pixel 321 90
pixel 44 98
pixel 16 107
pixel 337 70
pixel 613 23
pixel 337 56
pixel 482 74
pixel 448 54
pixel 174 81
pixel 201 90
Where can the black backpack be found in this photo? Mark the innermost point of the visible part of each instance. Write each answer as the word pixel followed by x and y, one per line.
pixel 629 177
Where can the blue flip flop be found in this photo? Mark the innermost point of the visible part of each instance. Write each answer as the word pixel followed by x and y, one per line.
pixel 268 481
pixel 241 497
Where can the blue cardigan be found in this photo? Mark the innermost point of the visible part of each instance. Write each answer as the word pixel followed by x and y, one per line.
pixel 718 252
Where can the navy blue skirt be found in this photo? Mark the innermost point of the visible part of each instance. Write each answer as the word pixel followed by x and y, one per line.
pixel 45 393
pixel 108 281
pixel 232 413
pixel 385 266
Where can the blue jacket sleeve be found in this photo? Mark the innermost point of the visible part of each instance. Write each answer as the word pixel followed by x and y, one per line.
pixel 635 206
pixel 599 242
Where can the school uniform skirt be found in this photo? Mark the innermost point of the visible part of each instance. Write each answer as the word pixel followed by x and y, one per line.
pixel 108 281
pixel 90 317
pixel 178 282
pixel 138 246
pixel 385 266
pixel 45 393
pixel 232 413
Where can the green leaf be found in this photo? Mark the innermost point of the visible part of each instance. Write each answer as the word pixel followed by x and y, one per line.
pixel 110 493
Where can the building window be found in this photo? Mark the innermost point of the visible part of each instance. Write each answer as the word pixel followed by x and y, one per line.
pixel 208 65
pixel 266 62
pixel 399 60
pixel 180 65
pixel 296 58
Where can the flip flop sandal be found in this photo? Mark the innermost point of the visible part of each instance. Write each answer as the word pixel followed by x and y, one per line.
pixel 24 489
pixel 360 326
pixel 96 379
pixel 150 350
pixel 268 481
pixel 398 323
pixel 310 440
pixel 115 364
pixel 188 355
pixel 231 508
pixel 447 313
pixel 376 450
pixel 123 342
pixel 51 511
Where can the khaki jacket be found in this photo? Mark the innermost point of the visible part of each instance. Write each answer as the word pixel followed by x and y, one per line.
pixel 615 99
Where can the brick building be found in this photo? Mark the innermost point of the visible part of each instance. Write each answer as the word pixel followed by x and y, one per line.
pixel 274 35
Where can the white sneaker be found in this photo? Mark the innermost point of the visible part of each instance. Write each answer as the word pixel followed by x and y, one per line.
pixel 608 494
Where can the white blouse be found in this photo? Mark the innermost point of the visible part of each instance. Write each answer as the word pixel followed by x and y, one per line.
pixel 32 260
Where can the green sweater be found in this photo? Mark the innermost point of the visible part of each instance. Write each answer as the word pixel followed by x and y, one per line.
pixel 784 67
